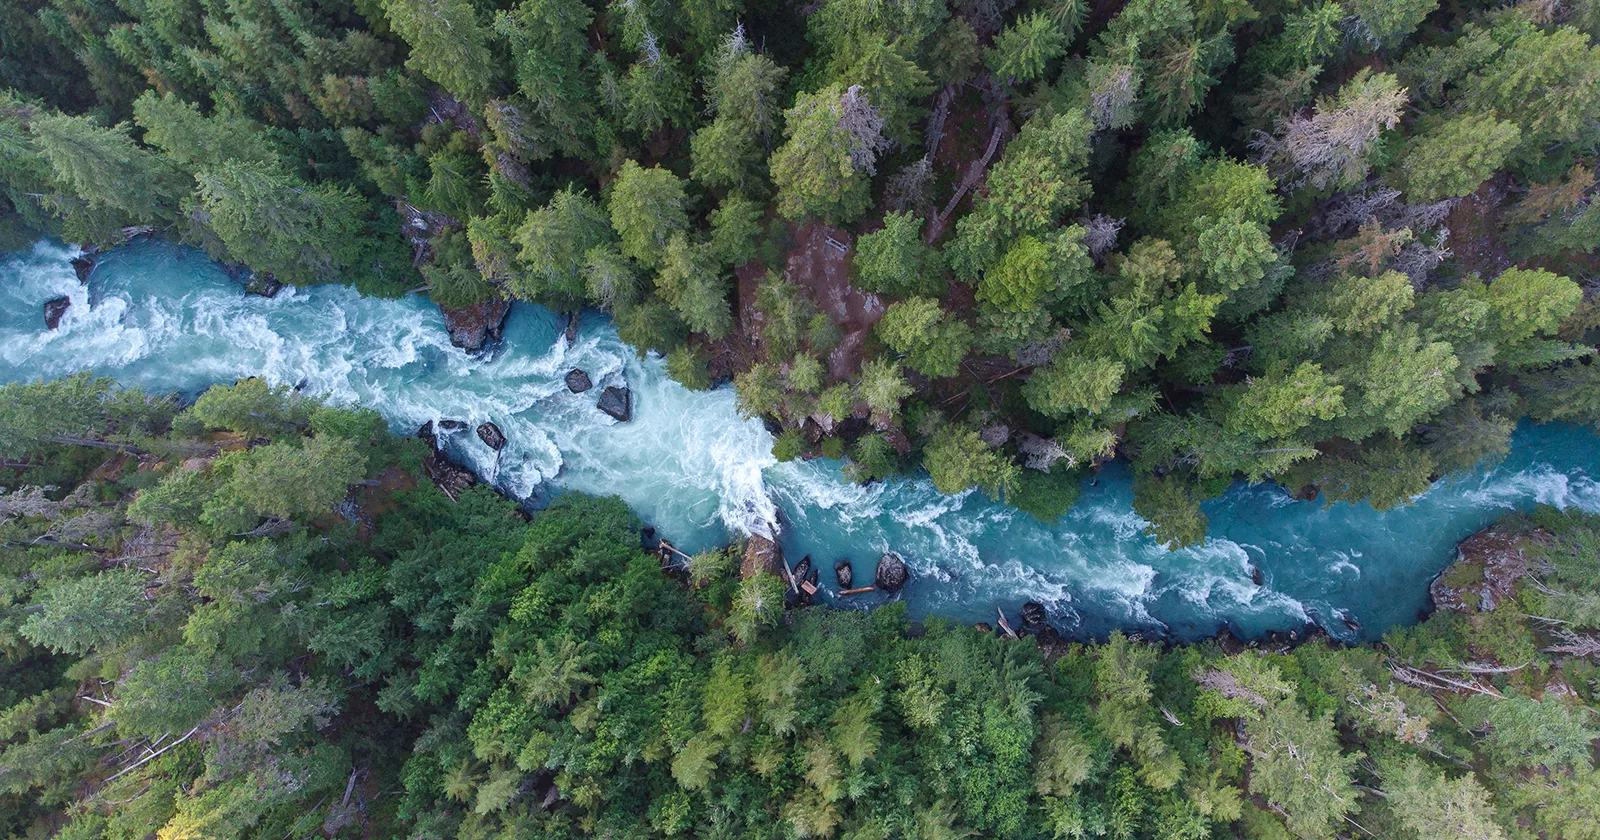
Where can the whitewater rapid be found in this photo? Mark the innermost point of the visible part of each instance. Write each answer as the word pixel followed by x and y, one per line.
pixel 167 319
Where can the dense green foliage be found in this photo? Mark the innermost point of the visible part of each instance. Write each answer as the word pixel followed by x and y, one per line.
pixel 192 652
pixel 1338 245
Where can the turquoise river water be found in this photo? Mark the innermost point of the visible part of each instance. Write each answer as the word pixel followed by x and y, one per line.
pixel 167 319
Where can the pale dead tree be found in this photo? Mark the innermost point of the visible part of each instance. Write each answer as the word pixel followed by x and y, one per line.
pixel 1426 216
pixel 907 190
pixel 934 133
pixel 1575 644
pixel 1357 32
pixel 1417 260
pixel 1329 147
pixel 1041 453
pixel 649 50
pixel 1100 235
pixel 1036 353
pixel 858 117
pixel 995 434
pixel 1352 209
pixel 91 523
pixel 1113 92
pixel 735 45
pixel 1228 684
pixel 35 503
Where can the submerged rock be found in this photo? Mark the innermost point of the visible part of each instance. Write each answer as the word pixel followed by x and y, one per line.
pixel 573 320
pixel 491 436
pixel 54 309
pixel 617 402
pixel 891 574
pixel 1033 616
pixel 452 425
pixel 844 573
pixel 1257 577
pixel 477 327
pixel 263 285
pixel 1485 573
pixel 578 381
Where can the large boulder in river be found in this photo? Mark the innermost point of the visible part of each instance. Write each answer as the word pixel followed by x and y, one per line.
pixel 1486 570
pixel 578 381
pixel 54 309
pixel 477 327
pixel 491 436
pixel 844 573
pixel 892 573
pixel 1033 616
pixel 617 402
pixel 83 265
pixel 762 555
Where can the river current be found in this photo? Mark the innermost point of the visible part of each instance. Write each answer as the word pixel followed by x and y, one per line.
pixel 168 319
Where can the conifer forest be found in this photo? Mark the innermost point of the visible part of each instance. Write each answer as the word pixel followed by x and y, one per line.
pixel 1343 247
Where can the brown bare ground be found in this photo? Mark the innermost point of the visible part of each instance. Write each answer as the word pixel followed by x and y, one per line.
pixel 1474 225
pixel 825 273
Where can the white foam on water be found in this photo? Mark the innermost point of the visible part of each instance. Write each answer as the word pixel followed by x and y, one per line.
pixel 1542 483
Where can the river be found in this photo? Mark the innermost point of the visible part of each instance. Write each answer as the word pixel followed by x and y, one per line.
pixel 167 319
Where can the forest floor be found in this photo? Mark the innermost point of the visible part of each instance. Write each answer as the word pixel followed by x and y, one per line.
pixel 819 265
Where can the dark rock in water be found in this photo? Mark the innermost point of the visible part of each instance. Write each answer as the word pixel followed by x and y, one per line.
pixel 1350 622
pixel 83 266
pixel 891 574
pixel 1257 577
pixel 983 627
pixel 54 309
pixel 573 319
pixel 578 381
pixel 617 402
pixel 803 569
pixel 772 426
pixel 647 537
pixel 263 285
pixel 844 573
pixel 1036 622
pixel 1047 635
pixel 477 327
pixel 452 425
pixel 491 436
pixel 1230 643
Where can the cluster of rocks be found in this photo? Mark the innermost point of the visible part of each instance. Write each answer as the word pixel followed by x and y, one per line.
pixel 56 308
pixel 615 400
pixel 450 477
